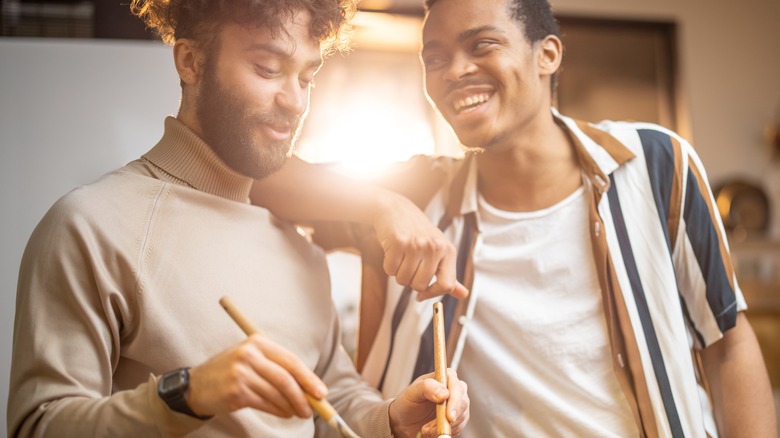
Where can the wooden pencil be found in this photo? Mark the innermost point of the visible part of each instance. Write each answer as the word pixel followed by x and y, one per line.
pixel 440 368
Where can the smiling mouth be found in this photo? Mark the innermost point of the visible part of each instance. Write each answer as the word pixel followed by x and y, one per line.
pixel 470 103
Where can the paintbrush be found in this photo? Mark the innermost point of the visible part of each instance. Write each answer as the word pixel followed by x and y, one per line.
pixel 322 407
pixel 440 368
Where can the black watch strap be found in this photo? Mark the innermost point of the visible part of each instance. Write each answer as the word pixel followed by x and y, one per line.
pixel 172 386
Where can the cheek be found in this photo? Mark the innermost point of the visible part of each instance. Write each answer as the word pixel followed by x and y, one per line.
pixel 434 92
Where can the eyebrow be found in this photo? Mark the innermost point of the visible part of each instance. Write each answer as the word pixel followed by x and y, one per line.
pixel 280 52
pixel 465 35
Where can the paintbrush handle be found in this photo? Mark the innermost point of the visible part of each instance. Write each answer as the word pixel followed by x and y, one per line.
pixel 246 325
pixel 322 407
pixel 440 367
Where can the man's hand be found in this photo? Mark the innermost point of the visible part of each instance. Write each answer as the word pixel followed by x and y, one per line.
pixel 414 410
pixel 256 373
pixel 416 251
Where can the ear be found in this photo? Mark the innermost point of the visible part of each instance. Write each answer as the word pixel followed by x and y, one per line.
pixel 550 54
pixel 187 58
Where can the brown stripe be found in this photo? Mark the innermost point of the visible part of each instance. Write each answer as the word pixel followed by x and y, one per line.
pixel 675 198
pixel 633 371
pixel 617 150
pixel 457 188
pixel 704 190
pixel 626 359
pixel 372 303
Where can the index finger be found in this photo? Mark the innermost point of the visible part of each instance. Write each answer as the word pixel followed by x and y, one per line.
pixel 458 401
pixel 309 382
pixel 446 281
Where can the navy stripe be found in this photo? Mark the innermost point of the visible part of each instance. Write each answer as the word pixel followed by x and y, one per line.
pixel 651 338
pixel 659 156
pixel 425 355
pixel 704 239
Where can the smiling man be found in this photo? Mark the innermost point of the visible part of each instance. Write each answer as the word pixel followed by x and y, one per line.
pixel 603 300
pixel 118 328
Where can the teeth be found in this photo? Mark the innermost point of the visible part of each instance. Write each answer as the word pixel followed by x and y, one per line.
pixel 470 101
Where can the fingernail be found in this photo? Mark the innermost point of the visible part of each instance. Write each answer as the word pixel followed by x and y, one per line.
pixel 322 390
pixel 453 415
pixel 441 393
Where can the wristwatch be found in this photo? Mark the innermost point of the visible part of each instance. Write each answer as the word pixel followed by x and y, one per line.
pixel 171 388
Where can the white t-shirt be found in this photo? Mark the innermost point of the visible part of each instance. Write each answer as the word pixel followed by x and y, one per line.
pixel 537 356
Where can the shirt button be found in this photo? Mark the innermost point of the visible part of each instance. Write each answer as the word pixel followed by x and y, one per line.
pixel 597 228
pixel 463 319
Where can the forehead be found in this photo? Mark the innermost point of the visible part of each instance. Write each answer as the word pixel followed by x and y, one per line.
pixel 448 18
pixel 292 39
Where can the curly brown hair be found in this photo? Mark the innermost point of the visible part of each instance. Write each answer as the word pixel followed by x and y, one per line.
pixel 199 19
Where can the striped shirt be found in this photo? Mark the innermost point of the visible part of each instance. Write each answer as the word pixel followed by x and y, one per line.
pixel 661 255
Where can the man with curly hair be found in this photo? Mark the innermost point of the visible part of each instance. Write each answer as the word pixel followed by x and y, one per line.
pixel 118 328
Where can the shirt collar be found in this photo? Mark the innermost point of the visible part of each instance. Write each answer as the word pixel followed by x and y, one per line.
pixel 184 155
pixel 598 153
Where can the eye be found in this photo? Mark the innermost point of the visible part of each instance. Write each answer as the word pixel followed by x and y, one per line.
pixel 433 61
pixel 483 45
pixel 266 72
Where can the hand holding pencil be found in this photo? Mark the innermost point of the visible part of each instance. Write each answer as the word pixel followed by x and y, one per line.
pixel 435 405
pixel 326 411
pixel 255 373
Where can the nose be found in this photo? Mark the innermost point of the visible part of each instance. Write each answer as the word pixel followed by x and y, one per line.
pixel 460 66
pixel 292 97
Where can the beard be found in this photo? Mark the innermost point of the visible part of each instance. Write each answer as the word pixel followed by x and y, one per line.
pixel 227 126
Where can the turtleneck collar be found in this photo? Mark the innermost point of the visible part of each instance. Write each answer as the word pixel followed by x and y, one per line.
pixel 184 155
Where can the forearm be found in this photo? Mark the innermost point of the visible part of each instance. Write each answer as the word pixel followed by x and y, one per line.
pixel 302 191
pixel 741 393
pixel 415 251
pixel 132 413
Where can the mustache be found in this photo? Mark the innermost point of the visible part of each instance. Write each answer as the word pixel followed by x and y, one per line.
pixel 275 118
pixel 465 83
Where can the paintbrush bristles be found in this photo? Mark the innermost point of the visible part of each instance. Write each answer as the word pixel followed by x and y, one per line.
pixel 440 367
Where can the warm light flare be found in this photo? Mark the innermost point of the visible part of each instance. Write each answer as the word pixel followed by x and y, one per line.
pixel 367 136
pixel 368 109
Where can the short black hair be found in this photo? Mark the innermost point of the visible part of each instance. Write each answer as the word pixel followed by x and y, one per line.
pixel 536 16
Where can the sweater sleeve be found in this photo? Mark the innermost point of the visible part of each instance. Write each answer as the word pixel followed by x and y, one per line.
pixel 73 307
pixel 360 405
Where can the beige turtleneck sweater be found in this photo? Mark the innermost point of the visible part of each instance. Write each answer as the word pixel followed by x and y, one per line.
pixel 120 283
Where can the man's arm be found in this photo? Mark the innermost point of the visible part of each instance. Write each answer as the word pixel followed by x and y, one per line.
pixel 415 250
pixel 739 383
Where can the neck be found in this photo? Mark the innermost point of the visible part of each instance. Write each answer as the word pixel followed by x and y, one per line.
pixel 536 171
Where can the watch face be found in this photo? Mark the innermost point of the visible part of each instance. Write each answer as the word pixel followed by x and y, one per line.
pixel 173 381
